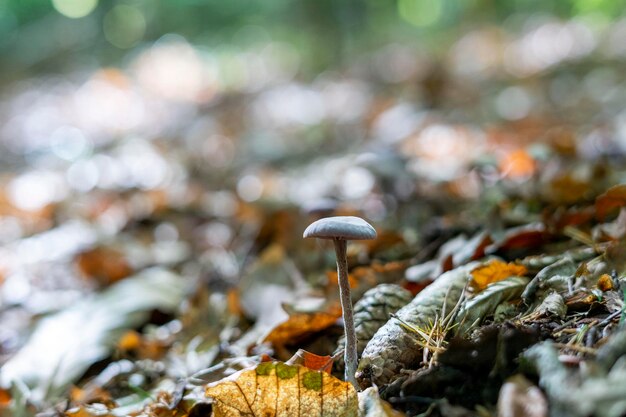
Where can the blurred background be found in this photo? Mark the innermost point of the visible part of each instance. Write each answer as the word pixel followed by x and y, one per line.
pixel 119 95
pixel 191 134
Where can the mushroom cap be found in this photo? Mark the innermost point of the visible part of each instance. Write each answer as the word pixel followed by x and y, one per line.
pixel 341 227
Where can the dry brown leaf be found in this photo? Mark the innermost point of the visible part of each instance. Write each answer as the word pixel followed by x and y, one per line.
pixel 527 236
pixel 300 324
pixel 276 389
pixel 560 218
pixel 494 271
pixel 611 199
pixel 581 299
pixel 565 189
pixel 105 265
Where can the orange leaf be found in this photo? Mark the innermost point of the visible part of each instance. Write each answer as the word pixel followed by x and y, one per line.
pixel 129 341
pixel 134 343
pixel 5 397
pixel 605 283
pixel 300 324
pixel 494 271
pixel 613 198
pixel 517 164
pixel 318 363
pixel 233 301
pixel 312 361
pixel 105 265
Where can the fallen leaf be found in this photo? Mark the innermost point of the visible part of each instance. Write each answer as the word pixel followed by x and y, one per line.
pixel 485 303
pixel 104 265
pixel 142 347
pixel 86 396
pixel 520 398
pixel 64 345
pixel 300 324
pixel 580 300
pixel 312 361
pixel 565 189
pixel 494 271
pixel 608 201
pixel 560 218
pixel 276 389
pixel 552 305
pixel 129 341
pixel 234 302
pixel 5 397
pixel 523 237
pixel 371 405
pixel 517 164
pixel 605 282
pixel 562 266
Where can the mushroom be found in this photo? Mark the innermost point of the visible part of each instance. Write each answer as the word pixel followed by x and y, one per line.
pixel 341 229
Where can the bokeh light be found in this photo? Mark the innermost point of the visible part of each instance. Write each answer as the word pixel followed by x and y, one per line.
pixel 75 8
pixel 124 26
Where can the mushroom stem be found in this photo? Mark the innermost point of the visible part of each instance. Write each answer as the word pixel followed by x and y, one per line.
pixel 350 354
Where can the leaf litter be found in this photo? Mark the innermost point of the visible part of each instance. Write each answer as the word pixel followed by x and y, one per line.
pixel 496 286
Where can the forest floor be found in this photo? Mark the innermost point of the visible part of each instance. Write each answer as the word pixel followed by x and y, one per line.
pixel 160 270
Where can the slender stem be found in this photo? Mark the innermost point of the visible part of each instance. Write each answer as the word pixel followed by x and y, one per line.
pixel 350 354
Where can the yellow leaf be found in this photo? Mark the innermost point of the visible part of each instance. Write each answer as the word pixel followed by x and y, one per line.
pixel 494 271
pixel 276 389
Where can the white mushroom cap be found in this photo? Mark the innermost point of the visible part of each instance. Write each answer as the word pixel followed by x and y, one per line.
pixel 341 227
